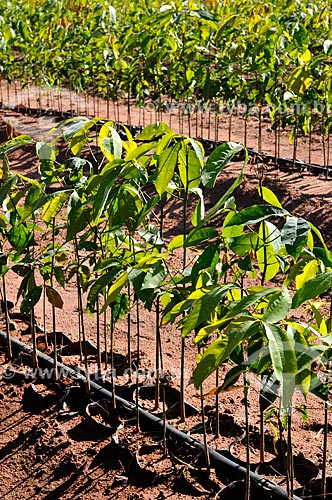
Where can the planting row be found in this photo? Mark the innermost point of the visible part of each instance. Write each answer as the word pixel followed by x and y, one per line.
pixel 97 217
pixel 230 281
pixel 244 58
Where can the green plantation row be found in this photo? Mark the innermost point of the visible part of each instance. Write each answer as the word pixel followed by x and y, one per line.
pixel 96 216
pixel 251 53
pixel 100 222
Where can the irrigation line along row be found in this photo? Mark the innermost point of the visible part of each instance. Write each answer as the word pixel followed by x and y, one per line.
pixel 208 144
pixel 227 468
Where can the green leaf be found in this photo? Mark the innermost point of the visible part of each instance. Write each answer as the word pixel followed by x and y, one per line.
pixel 21 270
pixel 221 348
pixel 99 286
pixel 199 212
pixel 140 151
pixel 3 264
pixel 176 242
pixel 198 148
pixel 115 289
pixel 278 307
pixel 208 259
pixel 110 141
pixel 232 231
pixel 30 299
pixel 242 245
pixel 321 239
pixel 20 237
pixel 47 156
pixel 6 187
pixel 126 208
pixel 3 221
pixel 255 214
pixel 77 220
pixel 269 196
pixel 313 288
pixel 155 275
pixel 309 271
pixel 234 309
pixel 14 144
pixel 232 376
pixel 229 21
pixel 153 131
pixel 266 254
pixel 136 278
pixel 34 194
pixel 217 160
pixel 219 206
pixel 53 207
pixel 102 195
pixel 294 235
pixel 120 307
pixel 204 307
pixel 324 255
pixel 190 168
pixel 198 236
pixel 167 162
pixel 299 80
pixel 80 138
pixel 284 361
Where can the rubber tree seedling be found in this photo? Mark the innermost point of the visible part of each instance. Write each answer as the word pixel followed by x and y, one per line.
pixel 192 172
pixel 21 236
pixel 8 183
pixel 170 160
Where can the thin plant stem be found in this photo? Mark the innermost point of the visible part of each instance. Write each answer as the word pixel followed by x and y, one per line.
pixel 290 460
pixel 129 334
pixel 163 392
pixel 282 451
pixel 80 301
pixel 325 443
pixel 310 141
pixel 276 145
pixel 44 313
pixel 55 354
pixel 79 319
pixel 246 417
pixel 137 363
pixel 98 323
pixel 5 304
pixel 261 443
pixel 157 376
pixel 112 357
pixel 217 429
pixel 295 144
pixel 34 339
pixel 259 128
pixel 206 450
pixel 98 337
pixel 230 124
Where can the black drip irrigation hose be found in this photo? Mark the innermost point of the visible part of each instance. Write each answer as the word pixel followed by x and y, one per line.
pixel 229 469
pixel 284 164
